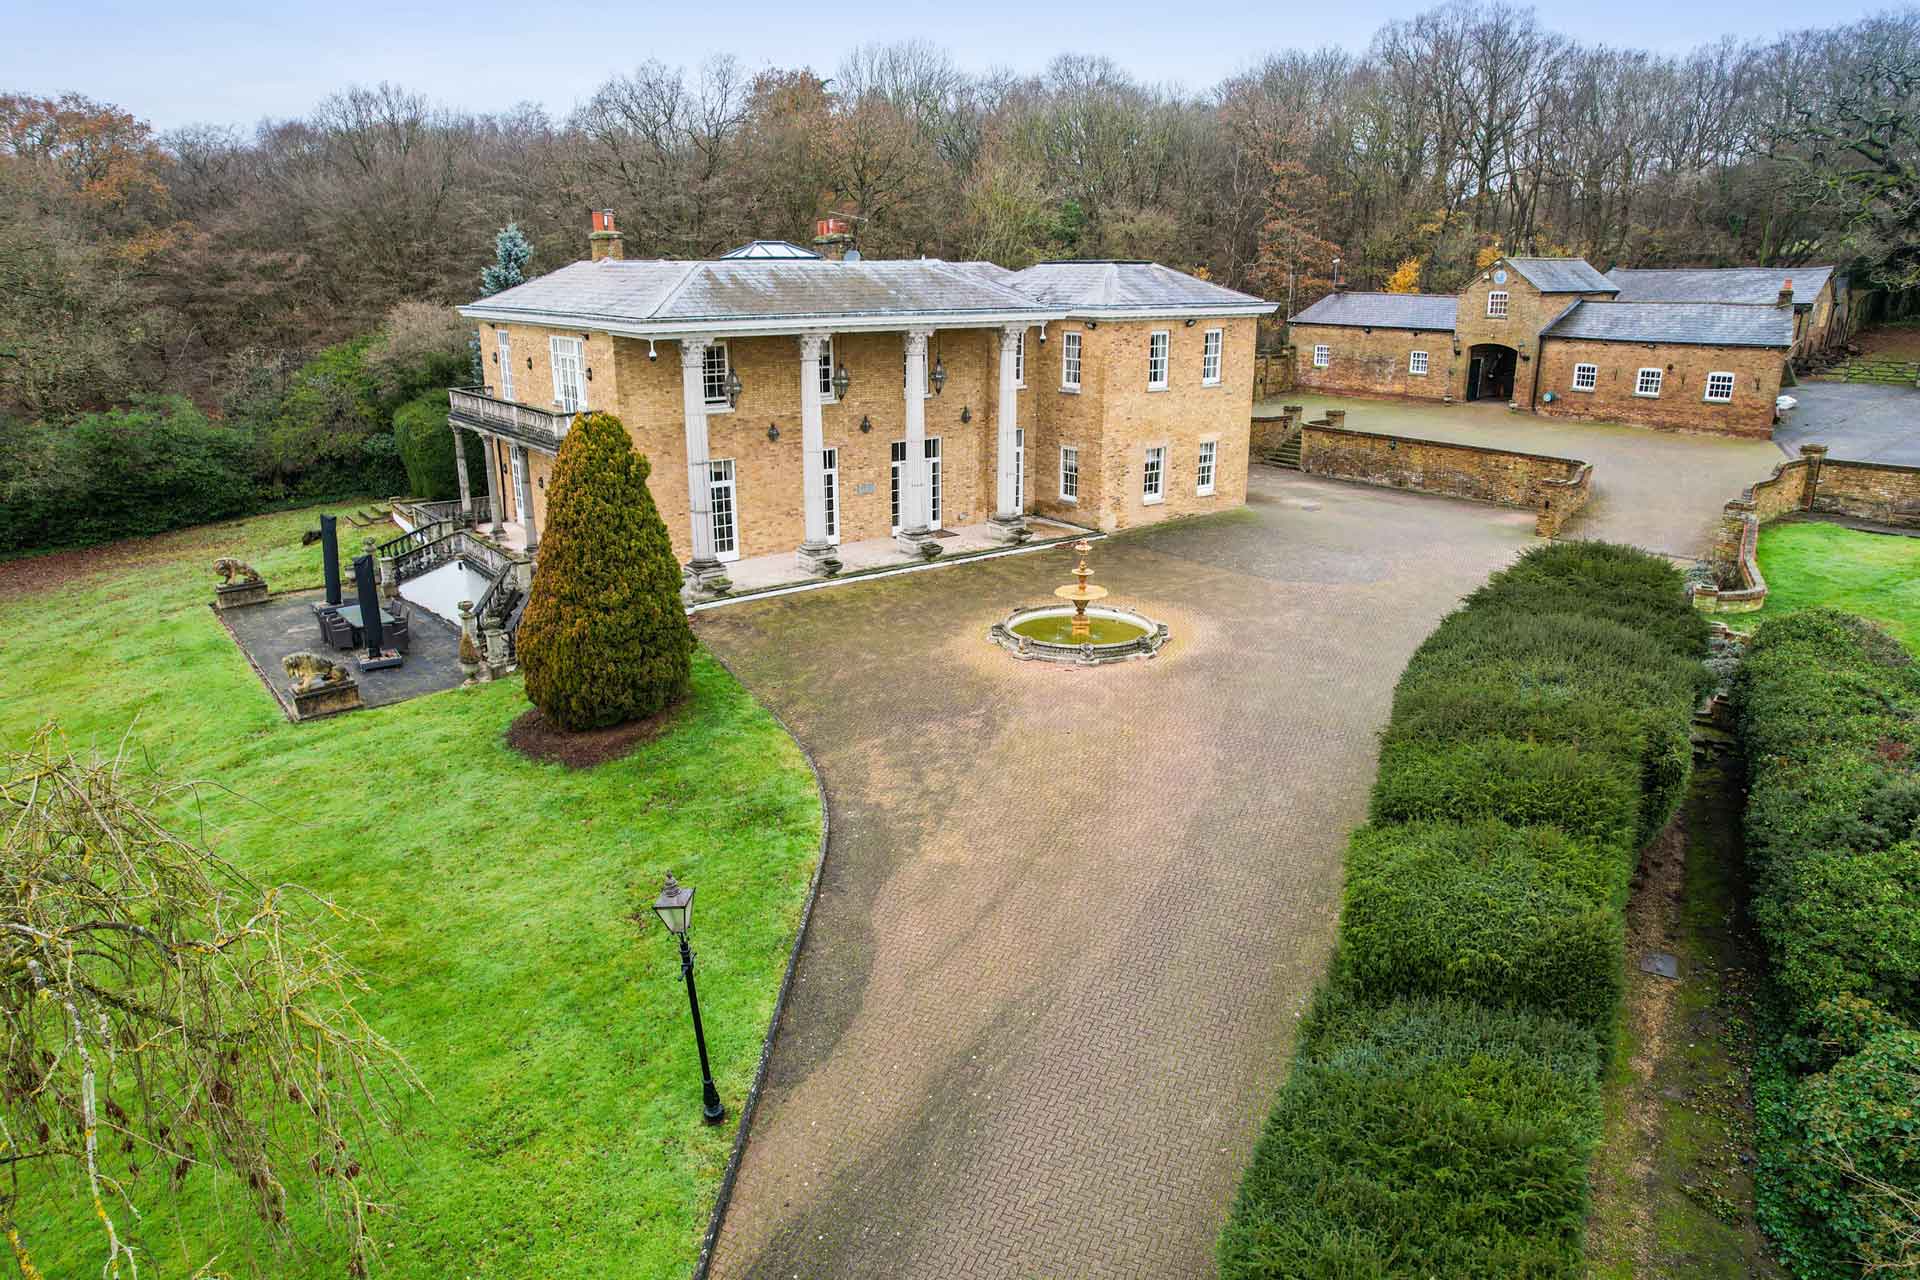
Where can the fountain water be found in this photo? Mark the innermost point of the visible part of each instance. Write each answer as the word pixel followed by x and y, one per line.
pixel 1104 633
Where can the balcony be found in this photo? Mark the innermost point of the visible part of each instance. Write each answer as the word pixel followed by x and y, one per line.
pixel 541 429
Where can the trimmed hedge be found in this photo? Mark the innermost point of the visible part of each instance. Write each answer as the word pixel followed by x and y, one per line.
pixel 1829 712
pixel 1441 1138
pixel 1512 917
pixel 1446 1097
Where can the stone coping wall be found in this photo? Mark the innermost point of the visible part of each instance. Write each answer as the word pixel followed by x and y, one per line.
pixel 1553 488
pixel 1877 491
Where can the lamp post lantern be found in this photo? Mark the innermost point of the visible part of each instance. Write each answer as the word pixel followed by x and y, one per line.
pixel 841 382
pixel 674 906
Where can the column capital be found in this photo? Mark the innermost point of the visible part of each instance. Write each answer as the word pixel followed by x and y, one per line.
pixel 812 344
pixel 695 348
pixel 1010 336
pixel 917 342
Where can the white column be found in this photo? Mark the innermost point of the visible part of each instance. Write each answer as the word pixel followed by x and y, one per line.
pixel 496 485
pixel 813 443
pixel 693 389
pixel 915 507
pixel 1006 461
pixel 460 469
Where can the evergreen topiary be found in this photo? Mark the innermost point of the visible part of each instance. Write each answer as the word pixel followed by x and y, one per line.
pixel 604 638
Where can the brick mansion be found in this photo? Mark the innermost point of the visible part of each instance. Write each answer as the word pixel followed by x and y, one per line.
pixel 794 402
pixel 1703 350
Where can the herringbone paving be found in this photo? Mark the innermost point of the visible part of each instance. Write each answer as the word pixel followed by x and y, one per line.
pixel 1070 918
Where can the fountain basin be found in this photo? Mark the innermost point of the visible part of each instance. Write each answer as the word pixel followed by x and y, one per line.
pixel 1041 633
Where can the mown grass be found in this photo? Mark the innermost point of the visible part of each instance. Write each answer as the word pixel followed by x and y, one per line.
pixel 510 948
pixel 1874 575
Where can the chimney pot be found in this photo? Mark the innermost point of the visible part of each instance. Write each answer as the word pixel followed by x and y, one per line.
pixel 833 237
pixel 603 238
pixel 1786 292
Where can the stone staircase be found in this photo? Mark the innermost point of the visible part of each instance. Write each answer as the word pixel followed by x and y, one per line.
pixel 1287 455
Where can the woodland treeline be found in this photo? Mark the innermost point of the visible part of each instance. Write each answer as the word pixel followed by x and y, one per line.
pixel 213 262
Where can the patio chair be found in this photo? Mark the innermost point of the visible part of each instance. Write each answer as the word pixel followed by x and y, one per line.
pixel 338 631
pixel 396 631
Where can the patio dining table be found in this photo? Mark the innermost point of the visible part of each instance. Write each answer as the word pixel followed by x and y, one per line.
pixel 351 613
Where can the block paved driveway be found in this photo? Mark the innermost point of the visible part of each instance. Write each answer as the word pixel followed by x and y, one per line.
pixel 1662 490
pixel 1069 918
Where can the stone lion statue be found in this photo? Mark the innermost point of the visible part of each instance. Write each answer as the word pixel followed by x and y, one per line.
pixel 310 671
pixel 227 568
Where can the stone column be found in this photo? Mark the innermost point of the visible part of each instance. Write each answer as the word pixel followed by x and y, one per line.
pixel 496 487
pixel 1007 524
pixel 1816 456
pixel 524 497
pixel 460 468
pixel 703 574
pixel 916 507
pixel 816 554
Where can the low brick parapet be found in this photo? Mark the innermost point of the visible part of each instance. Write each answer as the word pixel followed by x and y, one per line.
pixel 1554 488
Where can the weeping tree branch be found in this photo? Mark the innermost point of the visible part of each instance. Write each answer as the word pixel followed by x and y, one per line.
pixel 161 1014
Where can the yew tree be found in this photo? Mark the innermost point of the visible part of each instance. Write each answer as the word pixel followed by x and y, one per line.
pixel 604 638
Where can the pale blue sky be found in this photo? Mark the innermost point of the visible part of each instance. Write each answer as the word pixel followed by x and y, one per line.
pixel 185 61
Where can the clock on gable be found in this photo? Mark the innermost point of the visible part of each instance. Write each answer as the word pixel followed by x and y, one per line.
pixel 1500 277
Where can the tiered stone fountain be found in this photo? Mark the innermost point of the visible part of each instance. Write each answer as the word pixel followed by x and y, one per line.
pixel 1073 631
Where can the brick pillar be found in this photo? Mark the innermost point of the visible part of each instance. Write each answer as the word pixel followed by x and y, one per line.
pixel 1816 455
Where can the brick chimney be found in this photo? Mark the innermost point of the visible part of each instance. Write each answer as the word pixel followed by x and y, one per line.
pixel 833 237
pixel 1786 294
pixel 603 238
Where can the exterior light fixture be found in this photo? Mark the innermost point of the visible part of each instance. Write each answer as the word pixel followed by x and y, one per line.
pixel 866 424
pixel 674 906
pixel 733 389
pixel 1189 322
pixel 773 431
pixel 651 353
pixel 966 414
pixel 1043 335
pixel 841 382
pixel 939 375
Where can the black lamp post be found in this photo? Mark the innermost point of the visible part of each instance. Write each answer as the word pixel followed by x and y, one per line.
pixel 674 906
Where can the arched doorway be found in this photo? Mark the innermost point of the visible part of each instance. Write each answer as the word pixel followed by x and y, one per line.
pixel 1490 371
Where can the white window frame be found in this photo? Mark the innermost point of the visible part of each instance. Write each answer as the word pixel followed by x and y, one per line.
pixel 1070 473
pixel 1204 468
pixel 1417 364
pixel 1070 361
pixel 712 380
pixel 1159 356
pixel 1019 469
pixel 830 486
pixel 1020 361
pixel 826 370
pixel 568 356
pixel 1732 382
pixel 1213 349
pixel 896 456
pixel 934 512
pixel 1153 475
pixel 1589 372
pixel 506 365
pixel 1640 382
pixel 1322 355
pixel 717 484
pixel 1499 302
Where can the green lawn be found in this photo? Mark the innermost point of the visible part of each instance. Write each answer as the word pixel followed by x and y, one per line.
pixel 1875 575
pixel 562 1136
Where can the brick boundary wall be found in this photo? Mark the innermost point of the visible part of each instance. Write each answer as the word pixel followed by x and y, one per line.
pixel 1553 488
pixel 1881 492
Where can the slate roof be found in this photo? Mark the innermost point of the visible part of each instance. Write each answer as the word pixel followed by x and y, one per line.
pixel 1561 275
pixel 655 294
pixel 1760 285
pixel 1383 310
pixel 1717 324
pixel 1100 288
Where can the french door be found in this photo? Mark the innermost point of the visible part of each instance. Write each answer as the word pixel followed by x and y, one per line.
pixel 1019 469
pixel 933 482
pixel 519 481
pixel 720 496
pixel 830 482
